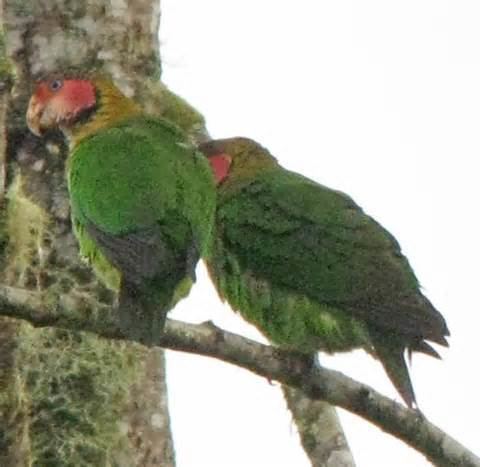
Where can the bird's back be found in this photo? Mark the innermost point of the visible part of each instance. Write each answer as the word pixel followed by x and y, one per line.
pixel 317 242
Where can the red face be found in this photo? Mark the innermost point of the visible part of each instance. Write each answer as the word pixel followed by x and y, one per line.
pixel 57 103
pixel 220 164
pixel 218 157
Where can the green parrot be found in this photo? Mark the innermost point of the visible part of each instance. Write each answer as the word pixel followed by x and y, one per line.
pixel 142 198
pixel 309 268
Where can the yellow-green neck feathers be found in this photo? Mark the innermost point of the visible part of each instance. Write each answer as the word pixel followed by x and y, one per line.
pixel 112 108
pixel 248 160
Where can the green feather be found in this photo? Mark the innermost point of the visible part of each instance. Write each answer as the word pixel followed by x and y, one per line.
pixel 140 193
pixel 310 269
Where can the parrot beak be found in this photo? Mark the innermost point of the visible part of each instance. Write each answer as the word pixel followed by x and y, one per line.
pixel 38 118
pixel 34 115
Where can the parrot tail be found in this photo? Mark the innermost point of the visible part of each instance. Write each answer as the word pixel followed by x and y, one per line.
pixel 141 314
pixel 392 357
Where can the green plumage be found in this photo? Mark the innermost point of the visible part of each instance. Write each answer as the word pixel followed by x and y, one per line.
pixel 142 204
pixel 311 270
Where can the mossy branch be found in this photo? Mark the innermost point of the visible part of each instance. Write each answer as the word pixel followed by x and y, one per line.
pixel 317 382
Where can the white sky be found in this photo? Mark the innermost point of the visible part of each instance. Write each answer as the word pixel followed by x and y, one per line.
pixel 379 99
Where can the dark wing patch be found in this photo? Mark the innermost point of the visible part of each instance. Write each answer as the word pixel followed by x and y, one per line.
pixel 138 255
pixel 141 316
pixel 151 269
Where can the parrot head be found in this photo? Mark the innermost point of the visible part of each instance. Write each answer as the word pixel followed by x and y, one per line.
pixel 77 106
pixel 59 103
pixel 235 157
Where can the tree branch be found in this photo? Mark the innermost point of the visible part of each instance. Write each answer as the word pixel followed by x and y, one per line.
pixel 320 430
pixel 317 382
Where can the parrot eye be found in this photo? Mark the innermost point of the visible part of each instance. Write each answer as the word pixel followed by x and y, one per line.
pixel 56 84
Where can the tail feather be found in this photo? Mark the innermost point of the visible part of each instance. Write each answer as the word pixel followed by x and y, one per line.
pixel 413 316
pixel 393 360
pixel 141 315
pixel 440 339
pixel 425 348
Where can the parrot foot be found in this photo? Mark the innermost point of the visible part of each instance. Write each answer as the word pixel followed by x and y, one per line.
pixel 142 327
pixel 298 362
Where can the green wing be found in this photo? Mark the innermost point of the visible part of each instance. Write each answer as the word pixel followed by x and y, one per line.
pixel 316 242
pixel 129 176
pixel 142 205
pixel 142 194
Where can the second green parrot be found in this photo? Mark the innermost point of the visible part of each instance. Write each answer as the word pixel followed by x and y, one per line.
pixel 310 269
pixel 142 198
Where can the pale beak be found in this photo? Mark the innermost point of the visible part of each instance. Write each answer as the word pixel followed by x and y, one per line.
pixel 34 116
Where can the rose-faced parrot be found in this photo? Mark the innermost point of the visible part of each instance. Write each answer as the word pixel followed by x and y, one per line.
pixel 142 198
pixel 309 268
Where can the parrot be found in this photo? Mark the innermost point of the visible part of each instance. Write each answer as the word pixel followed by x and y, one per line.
pixel 142 197
pixel 306 266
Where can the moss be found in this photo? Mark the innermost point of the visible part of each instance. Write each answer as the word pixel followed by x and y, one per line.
pixel 27 226
pixel 68 390
pixel 22 7
pixel 3 230
pixel 157 99
pixel 6 68
pixel 77 386
pixel 12 430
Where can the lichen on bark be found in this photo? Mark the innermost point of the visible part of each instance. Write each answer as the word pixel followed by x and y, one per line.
pixel 76 390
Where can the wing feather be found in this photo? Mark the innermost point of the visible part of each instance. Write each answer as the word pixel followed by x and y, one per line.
pixel 303 236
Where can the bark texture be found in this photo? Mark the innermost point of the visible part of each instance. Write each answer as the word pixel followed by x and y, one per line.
pixel 320 430
pixel 66 397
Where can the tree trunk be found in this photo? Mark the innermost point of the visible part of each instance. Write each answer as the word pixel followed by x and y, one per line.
pixel 71 398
